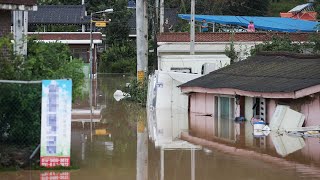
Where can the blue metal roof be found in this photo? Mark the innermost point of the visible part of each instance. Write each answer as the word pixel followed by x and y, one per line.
pixel 264 23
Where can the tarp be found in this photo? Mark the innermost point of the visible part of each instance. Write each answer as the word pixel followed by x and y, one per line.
pixel 263 23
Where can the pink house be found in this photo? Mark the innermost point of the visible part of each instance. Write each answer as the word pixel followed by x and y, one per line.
pixel 253 88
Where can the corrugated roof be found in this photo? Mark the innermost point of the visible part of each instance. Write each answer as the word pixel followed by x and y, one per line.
pixel 265 73
pixel 59 14
pixel 300 7
pixel 265 23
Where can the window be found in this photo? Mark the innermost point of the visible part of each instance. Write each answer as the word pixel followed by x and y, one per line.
pixel 224 117
pixel 80 53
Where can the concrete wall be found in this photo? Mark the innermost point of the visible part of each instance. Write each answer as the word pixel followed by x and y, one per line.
pixel 208 48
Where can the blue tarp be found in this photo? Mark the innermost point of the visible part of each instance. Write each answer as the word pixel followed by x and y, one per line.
pixel 264 23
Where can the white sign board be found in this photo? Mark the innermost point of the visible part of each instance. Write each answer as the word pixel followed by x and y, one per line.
pixel 56 123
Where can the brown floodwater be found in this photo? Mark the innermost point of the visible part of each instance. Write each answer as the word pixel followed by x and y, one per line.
pixel 117 150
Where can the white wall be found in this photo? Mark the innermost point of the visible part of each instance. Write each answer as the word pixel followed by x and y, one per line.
pixel 194 62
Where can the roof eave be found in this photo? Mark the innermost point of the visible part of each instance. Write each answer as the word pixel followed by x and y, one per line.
pixel 272 95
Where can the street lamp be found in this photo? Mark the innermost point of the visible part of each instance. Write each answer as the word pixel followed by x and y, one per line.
pixel 90 61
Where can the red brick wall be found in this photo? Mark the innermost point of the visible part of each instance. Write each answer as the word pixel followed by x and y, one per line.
pixel 5 22
pixel 225 37
pixel 22 2
pixel 67 36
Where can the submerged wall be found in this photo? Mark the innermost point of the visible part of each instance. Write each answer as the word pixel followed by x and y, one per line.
pixel 309 106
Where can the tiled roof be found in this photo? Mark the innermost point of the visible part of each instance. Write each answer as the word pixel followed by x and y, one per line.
pixel 266 72
pixel 226 37
pixel 59 14
pixel 19 2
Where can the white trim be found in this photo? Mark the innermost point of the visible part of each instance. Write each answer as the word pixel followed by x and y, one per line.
pixel 71 41
pixel 18 7
pixel 64 33
pixel 211 42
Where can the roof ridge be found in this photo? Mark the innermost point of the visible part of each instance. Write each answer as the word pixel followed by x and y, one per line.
pixel 289 54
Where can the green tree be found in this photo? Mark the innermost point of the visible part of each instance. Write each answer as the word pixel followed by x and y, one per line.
pixel 279 43
pixel 118 30
pixel 119 58
pixel 20 104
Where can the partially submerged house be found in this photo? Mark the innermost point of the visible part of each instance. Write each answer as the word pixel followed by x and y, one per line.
pixel 253 88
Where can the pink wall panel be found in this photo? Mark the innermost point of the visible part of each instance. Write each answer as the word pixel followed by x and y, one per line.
pixel 193 102
pixel 271 107
pixel 209 126
pixel 192 122
pixel 201 126
pixel 312 149
pixel 201 103
pixel 312 112
pixel 209 103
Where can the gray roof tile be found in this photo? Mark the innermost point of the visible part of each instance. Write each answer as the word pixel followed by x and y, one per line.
pixel 59 14
pixel 266 72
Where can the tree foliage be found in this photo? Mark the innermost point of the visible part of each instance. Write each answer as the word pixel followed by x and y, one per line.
pixel 284 43
pixel 20 104
pixel 225 7
pixel 278 43
pixel 118 30
pixel 119 58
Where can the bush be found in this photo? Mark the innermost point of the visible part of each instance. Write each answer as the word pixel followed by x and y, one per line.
pixel 20 104
pixel 138 91
pixel 278 43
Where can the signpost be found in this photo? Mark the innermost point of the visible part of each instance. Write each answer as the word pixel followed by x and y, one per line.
pixel 101 23
pixel 56 123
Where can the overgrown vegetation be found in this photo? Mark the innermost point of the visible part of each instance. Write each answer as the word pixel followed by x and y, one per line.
pixel 119 58
pixel 230 50
pixel 278 44
pixel 20 104
pixel 284 43
pixel 138 91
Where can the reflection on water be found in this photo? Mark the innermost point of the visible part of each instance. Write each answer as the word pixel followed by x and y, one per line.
pixel 120 149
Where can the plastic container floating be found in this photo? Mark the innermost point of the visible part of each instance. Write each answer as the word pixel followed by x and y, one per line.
pixel 258 126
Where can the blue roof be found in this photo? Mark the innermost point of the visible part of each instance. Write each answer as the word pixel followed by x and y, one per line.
pixel 264 23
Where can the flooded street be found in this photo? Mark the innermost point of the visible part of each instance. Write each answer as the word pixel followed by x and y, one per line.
pixel 119 148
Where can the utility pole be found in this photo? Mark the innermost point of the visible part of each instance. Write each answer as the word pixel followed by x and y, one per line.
pixel 20 31
pixel 142 39
pixel 192 30
pixel 161 16
pixel 155 31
